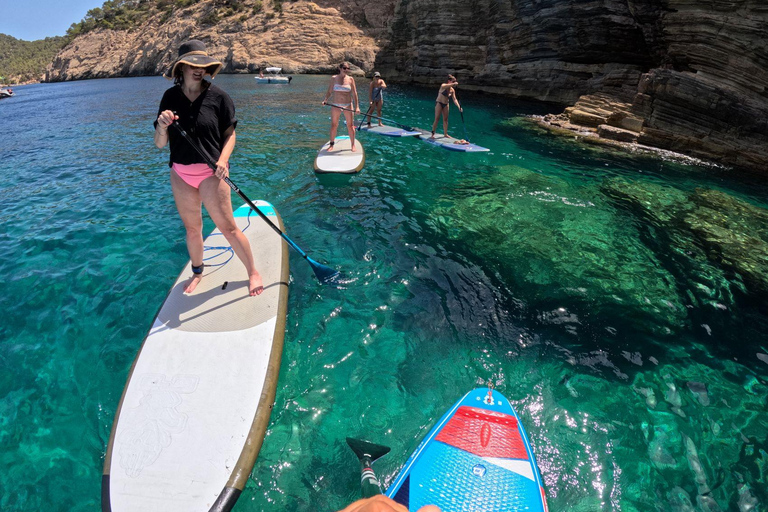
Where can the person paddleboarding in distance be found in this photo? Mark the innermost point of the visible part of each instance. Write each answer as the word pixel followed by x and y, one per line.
pixel 344 94
pixel 442 104
pixel 376 96
pixel 208 114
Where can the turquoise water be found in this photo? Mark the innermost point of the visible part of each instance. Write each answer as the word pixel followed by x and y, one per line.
pixel 618 301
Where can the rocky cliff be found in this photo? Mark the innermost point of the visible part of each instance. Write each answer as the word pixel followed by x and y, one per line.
pixel 300 37
pixel 683 75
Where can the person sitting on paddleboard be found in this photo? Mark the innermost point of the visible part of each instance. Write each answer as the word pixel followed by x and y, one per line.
pixel 342 89
pixel 208 114
pixel 376 96
pixel 442 104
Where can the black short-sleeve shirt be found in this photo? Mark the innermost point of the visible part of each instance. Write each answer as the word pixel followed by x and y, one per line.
pixel 206 120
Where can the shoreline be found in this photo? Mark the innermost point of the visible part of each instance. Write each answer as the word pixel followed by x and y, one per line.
pixel 558 125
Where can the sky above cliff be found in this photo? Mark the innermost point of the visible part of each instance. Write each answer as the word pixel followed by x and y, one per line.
pixel 37 19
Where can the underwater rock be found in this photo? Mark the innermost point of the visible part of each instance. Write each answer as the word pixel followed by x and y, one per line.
pixel 734 233
pixel 558 242
pixel 712 234
pixel 660 205
pixel 747 501
pixel 695 464
pixel 662 440
pixel 700 392
pixel 707 503
pixel 650 396
pixel 679 500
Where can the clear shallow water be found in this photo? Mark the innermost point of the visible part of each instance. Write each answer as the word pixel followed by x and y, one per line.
pixel 583 283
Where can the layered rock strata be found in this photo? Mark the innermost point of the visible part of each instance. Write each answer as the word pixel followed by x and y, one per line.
pixel 681 75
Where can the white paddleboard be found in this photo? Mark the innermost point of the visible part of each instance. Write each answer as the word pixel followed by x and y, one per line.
pixel 389 131
pixel 340 159
pixel 450 143
pixel 194 411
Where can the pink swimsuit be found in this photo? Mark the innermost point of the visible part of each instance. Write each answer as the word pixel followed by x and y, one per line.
pixel 193 174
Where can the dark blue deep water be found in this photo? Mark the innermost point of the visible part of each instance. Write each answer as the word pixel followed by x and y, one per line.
pixel 619 301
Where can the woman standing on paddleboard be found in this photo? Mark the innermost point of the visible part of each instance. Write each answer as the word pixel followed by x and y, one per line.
pixel 344 92
pixel 442 104
pixel 207 113
pixel 376 96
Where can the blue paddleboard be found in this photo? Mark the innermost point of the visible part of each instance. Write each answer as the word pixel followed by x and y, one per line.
pixel 450 143
pixel 477 458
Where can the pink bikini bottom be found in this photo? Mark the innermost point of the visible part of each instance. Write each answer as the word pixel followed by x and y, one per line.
pixel 193 174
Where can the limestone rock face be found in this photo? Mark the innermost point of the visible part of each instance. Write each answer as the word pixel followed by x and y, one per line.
pixel 686 75
pixel 305 37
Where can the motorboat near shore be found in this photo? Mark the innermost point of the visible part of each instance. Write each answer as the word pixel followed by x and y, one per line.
pixel 6 93
pixel 273 76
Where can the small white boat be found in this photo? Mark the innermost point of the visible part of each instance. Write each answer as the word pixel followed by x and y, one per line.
pixel 273 76
pixel 6 93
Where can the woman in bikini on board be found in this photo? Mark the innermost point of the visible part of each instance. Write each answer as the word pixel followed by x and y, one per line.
pixel 344 92
pixel 208 113
pixel 376 96
pixel 442 104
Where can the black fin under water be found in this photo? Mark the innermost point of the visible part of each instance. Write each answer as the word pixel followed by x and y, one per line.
pixel 365 449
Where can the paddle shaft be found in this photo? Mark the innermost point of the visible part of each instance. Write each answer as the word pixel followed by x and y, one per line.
pixel 367 114
pixel 212 165
pixel 461 111
pixel 409 128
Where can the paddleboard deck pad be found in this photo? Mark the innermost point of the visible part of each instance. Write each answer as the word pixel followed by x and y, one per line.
pixel 477 458
pixel 450 143
pixel 389 131
pixel 196 406
pixel 340 159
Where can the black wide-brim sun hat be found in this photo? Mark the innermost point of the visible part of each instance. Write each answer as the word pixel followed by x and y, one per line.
pixel 193 53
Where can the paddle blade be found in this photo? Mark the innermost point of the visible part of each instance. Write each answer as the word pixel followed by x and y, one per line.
pixel 324 274
pixel 364 449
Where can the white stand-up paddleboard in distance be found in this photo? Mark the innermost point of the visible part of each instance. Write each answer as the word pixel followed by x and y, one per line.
pixel 340 159
pixel 196 406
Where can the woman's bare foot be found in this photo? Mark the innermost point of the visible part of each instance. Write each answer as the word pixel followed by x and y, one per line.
pixel 197 275
pixel 353 148
pixel 192 283
pixel 255 287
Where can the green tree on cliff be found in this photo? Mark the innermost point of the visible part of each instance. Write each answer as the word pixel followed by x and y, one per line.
pixel 22 61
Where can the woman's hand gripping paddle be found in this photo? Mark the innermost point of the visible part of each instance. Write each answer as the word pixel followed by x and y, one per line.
pixel 324 274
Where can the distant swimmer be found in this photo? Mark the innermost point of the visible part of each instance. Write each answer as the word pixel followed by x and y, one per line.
pixel 344 93
pixel 376 96
pixel 442 103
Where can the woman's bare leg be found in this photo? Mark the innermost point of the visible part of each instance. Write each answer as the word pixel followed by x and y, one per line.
pixel 218 201
pixel 438 112
pixel 445 120
pixel 187 200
